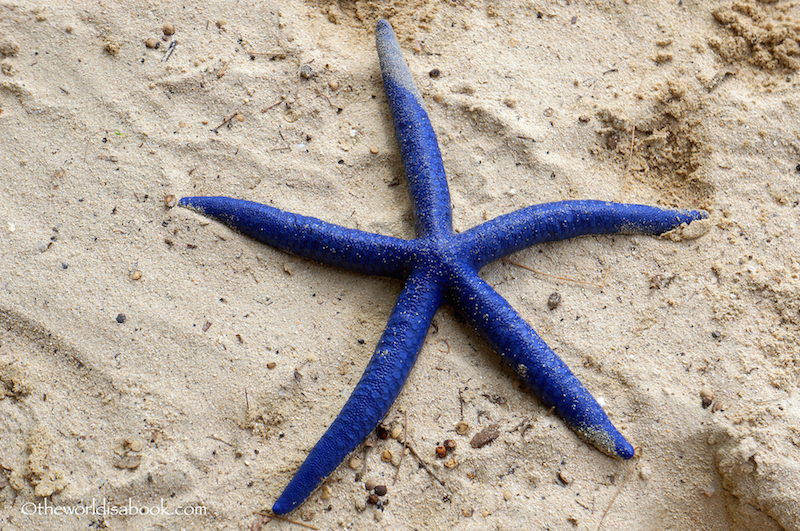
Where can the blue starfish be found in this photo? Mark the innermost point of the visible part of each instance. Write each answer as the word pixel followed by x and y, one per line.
pixel 438 266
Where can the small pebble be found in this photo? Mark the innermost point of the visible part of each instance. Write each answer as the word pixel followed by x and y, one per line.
pixel 381 490
pixel 370 485
pixel 306 72
pixel 718 406
pixel 334 85
pixel 707 397
pixel 354 463
pixel 134 445
pixel 170 200
pixel 451 463
pixel 441 451
pixel 168 29
pixel 435 73
pixel 373 499
pixel 130 462
pixel 135 274
pixel 112 46
pixel 462 428
pixel 553 300
pixel 450 444
pixel 121 318
pixel 507 496
pixel 565 476
pixel 467 512
pixel 645 472
pixel 152 42
pixel 397 431
pixel 382 432
pixel 386 456
pixel 221 23
pixel 326 492
pixel 373 150
pixel 271 365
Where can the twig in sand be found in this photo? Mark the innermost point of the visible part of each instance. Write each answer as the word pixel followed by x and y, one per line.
pixel 284 519
pixel 218 439
pixel 265 109
pixel 170 49
pixel 226 122
pixel 630 158
pixel 224 67
pixel 601 285
pixel 424 465
pixel 614 498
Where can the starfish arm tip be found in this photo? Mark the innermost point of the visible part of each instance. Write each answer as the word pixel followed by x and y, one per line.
pixel 282 506
pixel 186 202
pixel 604 436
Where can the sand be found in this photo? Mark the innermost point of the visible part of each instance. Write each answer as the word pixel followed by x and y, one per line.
pixel 152 358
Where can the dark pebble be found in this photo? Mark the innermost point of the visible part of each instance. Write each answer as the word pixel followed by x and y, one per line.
pixel 382 432
pixel 121 318
pixel 553 300
pixel 381 490
pixel 435 73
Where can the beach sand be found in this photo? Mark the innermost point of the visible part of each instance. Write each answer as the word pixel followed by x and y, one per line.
pixel 150 357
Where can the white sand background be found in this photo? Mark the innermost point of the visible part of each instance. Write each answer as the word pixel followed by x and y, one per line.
pixel 181 404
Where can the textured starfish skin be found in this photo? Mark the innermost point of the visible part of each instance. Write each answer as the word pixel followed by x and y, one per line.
pixel 439 266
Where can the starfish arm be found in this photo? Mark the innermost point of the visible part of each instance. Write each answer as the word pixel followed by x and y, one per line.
pixel 535 363
pixel 375 393
pixel 566 219
pixel 351 249
pixel 419 148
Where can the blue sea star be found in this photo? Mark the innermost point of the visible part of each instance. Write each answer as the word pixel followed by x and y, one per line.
pixel 438 266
